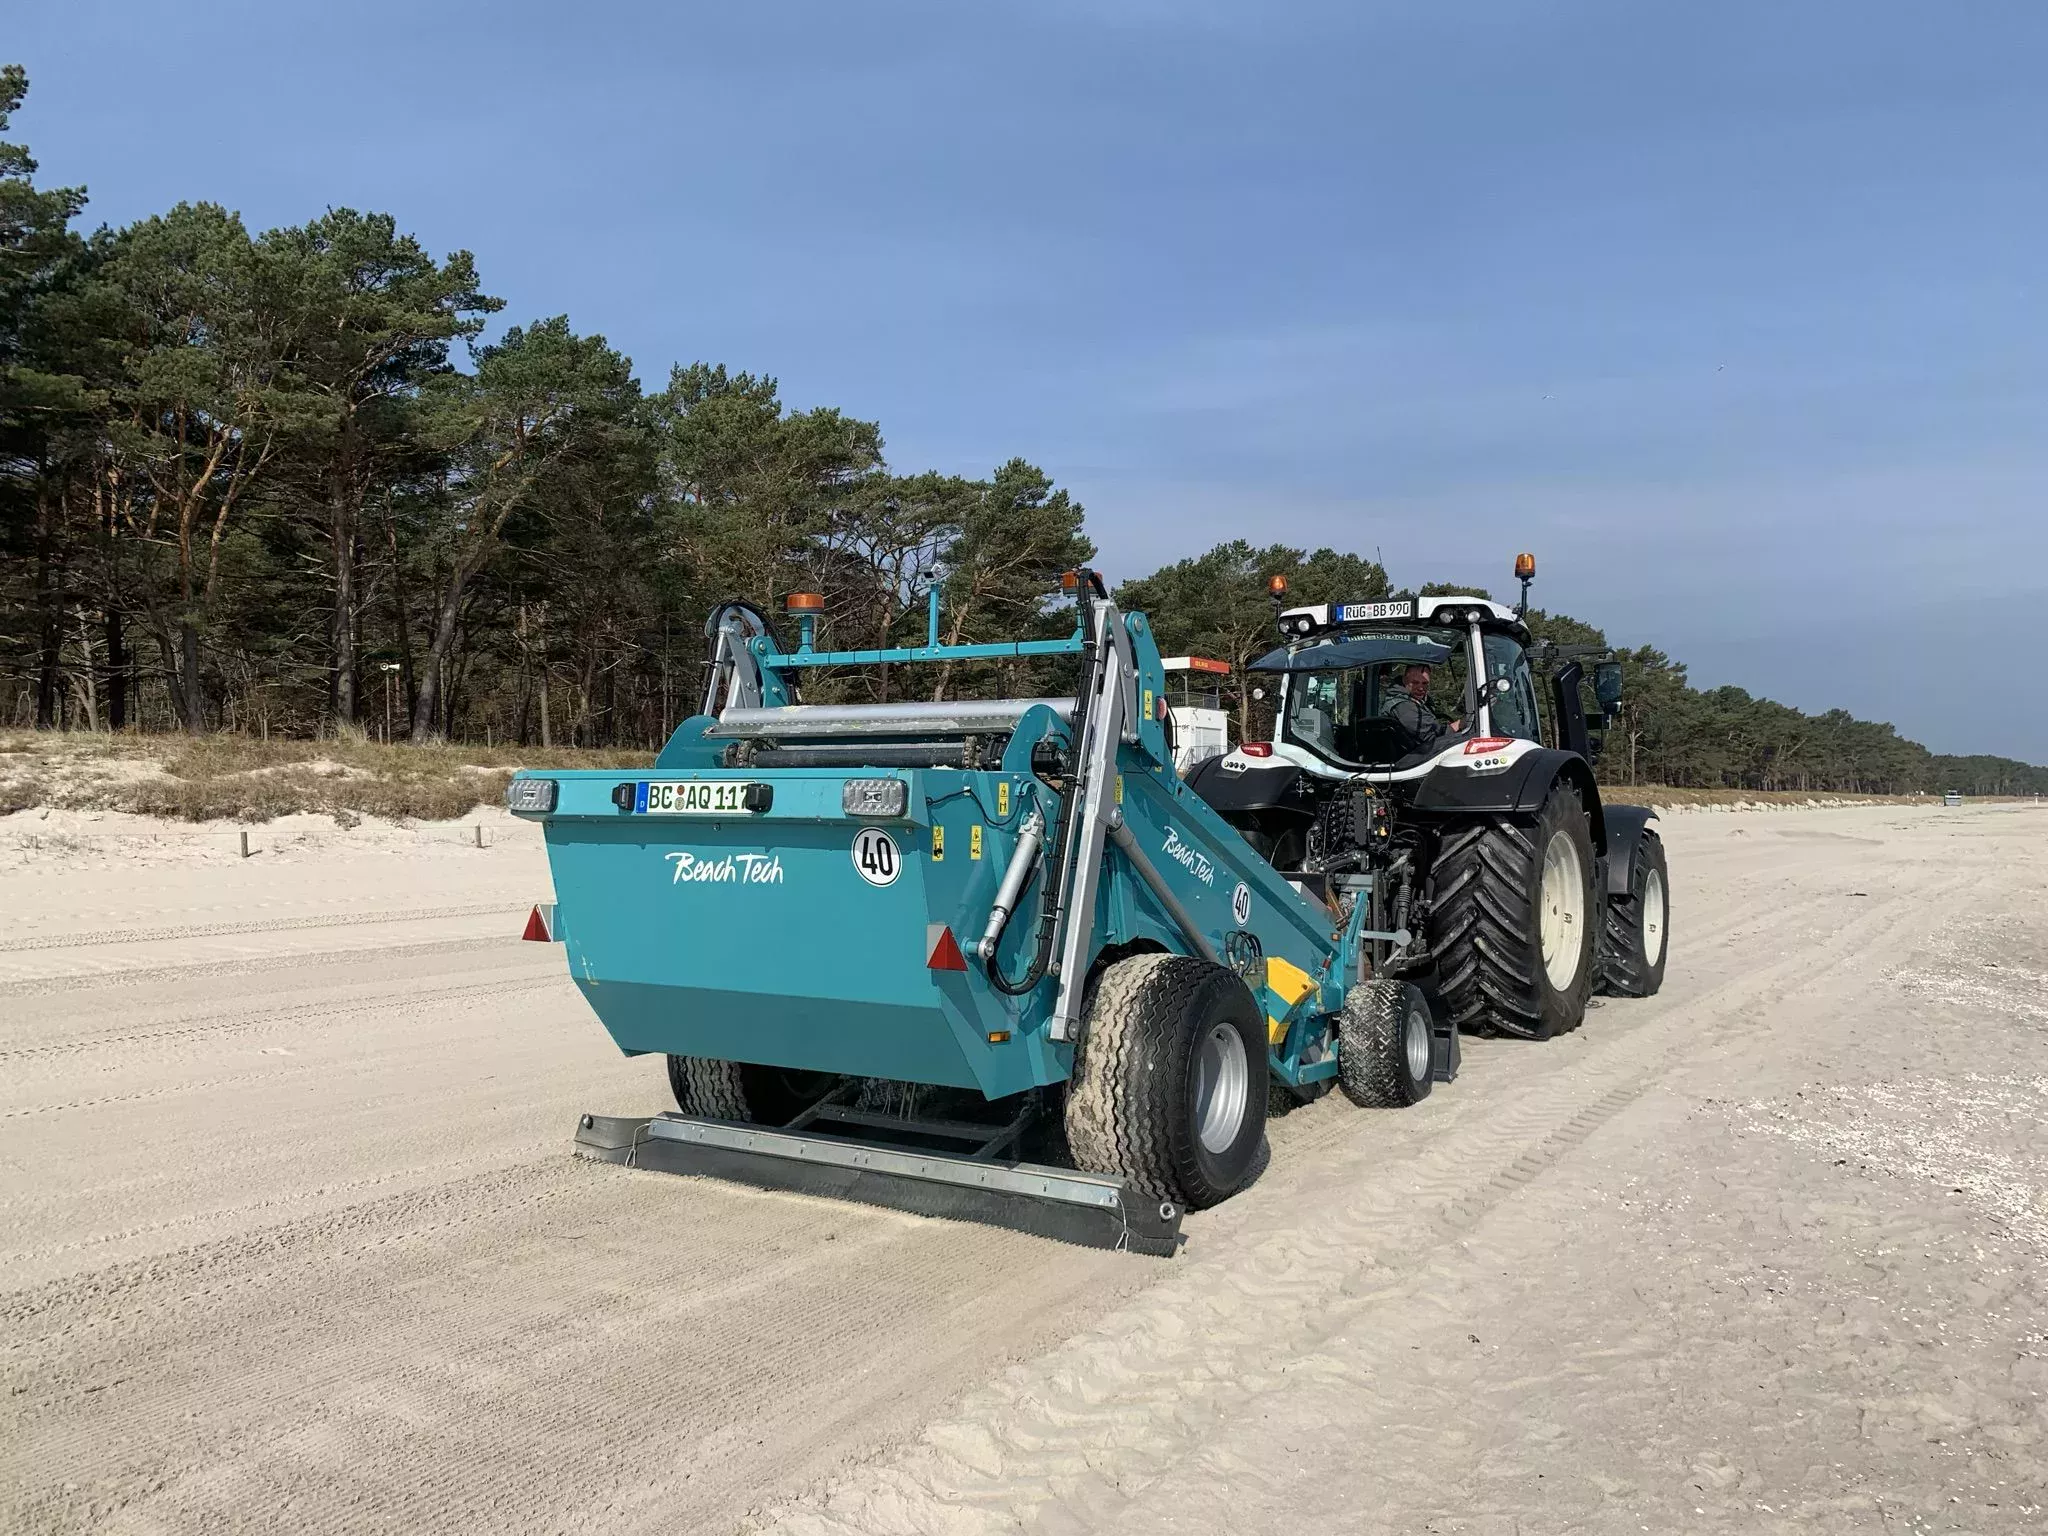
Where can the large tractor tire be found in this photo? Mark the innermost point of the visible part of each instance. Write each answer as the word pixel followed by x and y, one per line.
pixel 732 1090
pixel 1512 909
pixel 1636 935
pixel 1169 1084
pixel 1383 1045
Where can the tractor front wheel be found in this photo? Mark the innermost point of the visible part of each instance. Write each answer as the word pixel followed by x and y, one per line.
pixel 1169 1083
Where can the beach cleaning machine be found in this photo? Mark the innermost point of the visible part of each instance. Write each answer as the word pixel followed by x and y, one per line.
pixel 987 958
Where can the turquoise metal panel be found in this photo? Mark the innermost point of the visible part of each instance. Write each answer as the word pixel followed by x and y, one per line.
pixel 755 938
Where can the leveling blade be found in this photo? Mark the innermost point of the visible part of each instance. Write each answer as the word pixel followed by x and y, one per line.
pixel 1086 1209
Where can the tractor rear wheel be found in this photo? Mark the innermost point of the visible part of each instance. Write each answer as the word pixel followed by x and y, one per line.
pixel 733 1090
pixel 1513 907
pixel 1384 1044
pixel 1635 936
pixel 1169 1084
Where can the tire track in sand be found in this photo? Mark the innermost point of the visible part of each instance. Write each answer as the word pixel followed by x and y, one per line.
pixel 1051 1445
pixel 58 983
pixel 258 1021
pixel 92 939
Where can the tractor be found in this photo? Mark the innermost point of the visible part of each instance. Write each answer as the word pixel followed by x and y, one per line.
pixel 1508 890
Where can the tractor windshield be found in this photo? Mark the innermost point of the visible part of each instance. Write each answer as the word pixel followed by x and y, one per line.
pixel 1342 712
pixel 1352 714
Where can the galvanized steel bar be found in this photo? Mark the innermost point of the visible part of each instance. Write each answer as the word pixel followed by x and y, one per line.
pixel 917 717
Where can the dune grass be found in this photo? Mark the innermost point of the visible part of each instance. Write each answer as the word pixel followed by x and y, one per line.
pixel 241 778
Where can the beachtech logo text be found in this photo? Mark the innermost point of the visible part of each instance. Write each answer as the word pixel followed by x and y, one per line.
pixel 733 869
pixel 1193 860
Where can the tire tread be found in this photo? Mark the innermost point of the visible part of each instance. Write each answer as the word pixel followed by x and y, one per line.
pixel 1118 1119
pixel 1484 888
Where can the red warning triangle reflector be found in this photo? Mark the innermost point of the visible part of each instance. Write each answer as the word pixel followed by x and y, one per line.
pixel 942 950
pixel 537 927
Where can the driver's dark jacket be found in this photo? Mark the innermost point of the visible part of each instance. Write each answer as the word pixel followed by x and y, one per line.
pixel 1417 721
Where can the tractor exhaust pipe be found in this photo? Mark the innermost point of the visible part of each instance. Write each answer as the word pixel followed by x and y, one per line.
pixel 1030 838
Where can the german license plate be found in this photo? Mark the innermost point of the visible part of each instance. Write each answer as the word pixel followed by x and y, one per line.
pixel 725 797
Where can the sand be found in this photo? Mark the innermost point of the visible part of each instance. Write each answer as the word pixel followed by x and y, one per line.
pixel 290 1239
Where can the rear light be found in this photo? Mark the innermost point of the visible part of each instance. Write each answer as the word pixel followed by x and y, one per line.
pixel 874 797
pixel 1257 749
pixel 942 950
pixel 1479 746
pixel 533 795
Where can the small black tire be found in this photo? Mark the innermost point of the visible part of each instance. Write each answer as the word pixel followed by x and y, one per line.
pixel 1169 1081
pixel 1384 1045
pixel 1636 937
pixel 734 1090
pixel 1488 901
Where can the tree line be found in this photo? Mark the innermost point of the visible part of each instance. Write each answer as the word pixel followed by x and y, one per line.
pixel 279 481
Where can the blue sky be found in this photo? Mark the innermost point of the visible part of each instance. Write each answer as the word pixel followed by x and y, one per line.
pixel 1733 313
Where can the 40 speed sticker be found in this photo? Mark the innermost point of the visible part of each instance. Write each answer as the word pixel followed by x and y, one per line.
pixel 1241 904
pixel 876 857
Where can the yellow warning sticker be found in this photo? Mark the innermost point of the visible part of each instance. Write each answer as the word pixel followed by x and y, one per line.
pixel 1002 797
pixel 938 843
pixel 1148 705
pixel 974 841
pixel 1119 789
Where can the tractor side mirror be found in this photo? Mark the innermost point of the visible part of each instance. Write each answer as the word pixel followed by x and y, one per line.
pixel 1607 686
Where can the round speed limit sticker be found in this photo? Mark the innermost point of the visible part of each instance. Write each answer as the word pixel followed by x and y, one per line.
pixel 875 856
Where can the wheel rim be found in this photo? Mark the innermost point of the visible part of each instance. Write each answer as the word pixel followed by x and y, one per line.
pixel 1653 917
pixel 1222 1087
pixel 1415 1042
pixel 1563 910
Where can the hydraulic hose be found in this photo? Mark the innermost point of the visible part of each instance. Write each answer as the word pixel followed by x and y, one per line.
pixel 1056 859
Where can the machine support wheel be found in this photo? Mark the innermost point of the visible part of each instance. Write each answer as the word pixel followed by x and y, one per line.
pixel 1636 936
pixel 1383 1045
pixel 733 1090
pixel 1514 906
pixel 1169 1084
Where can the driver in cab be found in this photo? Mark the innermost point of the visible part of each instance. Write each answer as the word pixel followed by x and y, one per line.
pixel 1409 709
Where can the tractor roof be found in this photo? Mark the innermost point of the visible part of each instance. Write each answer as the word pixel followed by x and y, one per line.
pixel 1363 650
pixel 1403 613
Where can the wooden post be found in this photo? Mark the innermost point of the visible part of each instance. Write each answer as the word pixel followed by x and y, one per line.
pixel 245 843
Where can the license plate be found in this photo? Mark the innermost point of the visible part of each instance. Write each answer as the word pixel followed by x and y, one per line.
pixel 725 797
pixel 1353 613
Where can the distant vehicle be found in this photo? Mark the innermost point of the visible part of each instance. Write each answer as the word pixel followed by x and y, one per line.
pixel 1201 725
pixel 1953 797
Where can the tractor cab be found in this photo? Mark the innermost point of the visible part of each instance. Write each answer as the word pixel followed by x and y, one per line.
pixel 1341 683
